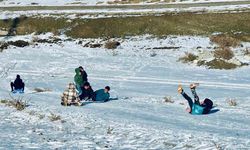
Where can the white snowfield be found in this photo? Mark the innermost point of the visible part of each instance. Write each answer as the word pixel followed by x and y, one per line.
pixel 5 3
pixel 140 77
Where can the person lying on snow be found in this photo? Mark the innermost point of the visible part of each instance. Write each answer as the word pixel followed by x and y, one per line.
pixel 80 78
pixel 87 92
pixel 70 96
pixel 196 107
pixel 102 94
pixel 17 85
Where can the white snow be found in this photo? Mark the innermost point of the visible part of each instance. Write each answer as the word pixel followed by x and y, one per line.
pixel 140 119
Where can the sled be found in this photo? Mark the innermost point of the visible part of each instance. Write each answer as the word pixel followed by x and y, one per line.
pixel 19 91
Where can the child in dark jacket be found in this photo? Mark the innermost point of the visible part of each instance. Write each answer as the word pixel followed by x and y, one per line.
pixel 17 85
pixel 196 107
pixel 87 91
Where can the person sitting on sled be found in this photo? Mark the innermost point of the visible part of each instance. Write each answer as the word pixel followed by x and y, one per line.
pixel 17 85
pixel 196 107
pixel 102 94
pixel 87 92
pixel 70 96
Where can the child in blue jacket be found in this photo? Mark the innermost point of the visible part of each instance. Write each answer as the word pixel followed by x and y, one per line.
pixel 196 108
pixel 102 94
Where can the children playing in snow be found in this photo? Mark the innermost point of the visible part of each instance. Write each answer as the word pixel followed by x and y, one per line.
pixel 82 90
pixel 17 85
pixel 196 107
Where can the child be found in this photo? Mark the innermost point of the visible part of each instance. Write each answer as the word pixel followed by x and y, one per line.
pixel 17 85
pixel 87 92
pixel 196 107
pixel 78 80
pixel 70 96
pixel 102 94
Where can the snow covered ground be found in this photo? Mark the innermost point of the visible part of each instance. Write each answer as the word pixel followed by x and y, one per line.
pixel 5 3
pixel 140 77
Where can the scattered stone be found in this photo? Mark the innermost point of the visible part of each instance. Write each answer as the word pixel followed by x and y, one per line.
pixel 50 41
pixel 166 47
pixel 19 43
pixel 3 46
pixel 112 44
pixel 95 45
pixel 80 43
pixel 92 45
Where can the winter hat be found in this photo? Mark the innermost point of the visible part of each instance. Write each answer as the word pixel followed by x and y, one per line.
pixel 86 84
pixel 208 103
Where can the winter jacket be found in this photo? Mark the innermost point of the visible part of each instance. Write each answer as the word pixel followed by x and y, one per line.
pixel 78 77
pixel 197 109
pixel 70 96
pixel 87 94
pixel 84 76
pixel 18 83
pixel 100 95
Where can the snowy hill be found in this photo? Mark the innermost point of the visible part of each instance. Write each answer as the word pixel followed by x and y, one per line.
pixel 140 77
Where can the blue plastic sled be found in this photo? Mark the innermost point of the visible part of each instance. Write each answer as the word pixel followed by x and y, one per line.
pixel 18 91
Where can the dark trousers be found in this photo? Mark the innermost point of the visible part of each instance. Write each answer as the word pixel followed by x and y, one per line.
pixel 15 87
pixel 190 101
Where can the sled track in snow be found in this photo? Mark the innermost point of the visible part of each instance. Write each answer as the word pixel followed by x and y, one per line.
pixel 150 80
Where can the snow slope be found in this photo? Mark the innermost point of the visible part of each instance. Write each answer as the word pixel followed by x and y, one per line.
pixel 140 119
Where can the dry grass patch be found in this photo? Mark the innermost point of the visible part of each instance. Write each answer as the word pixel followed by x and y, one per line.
pixel 225 40
pixel 18 104
pixel 224 53
pixel 40 90
pixel 54 117
pixel 168 99
pixel 125 2
pixel 110 130
pixel 3 45
pixel 220 64
pixel 247 52
pixel 232 102
pixel 166 24
pixel 189 57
